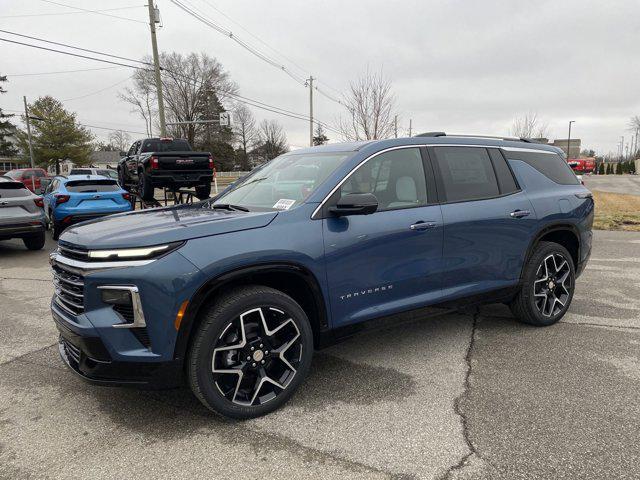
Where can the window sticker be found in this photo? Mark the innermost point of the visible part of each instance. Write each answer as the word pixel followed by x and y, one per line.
pixel 284 204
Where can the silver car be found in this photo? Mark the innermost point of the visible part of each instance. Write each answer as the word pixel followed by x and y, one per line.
pixel 21 214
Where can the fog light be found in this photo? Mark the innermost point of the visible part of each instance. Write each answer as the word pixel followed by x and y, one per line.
pixel 116 297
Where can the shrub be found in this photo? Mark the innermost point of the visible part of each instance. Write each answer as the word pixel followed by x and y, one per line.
pixel 601 169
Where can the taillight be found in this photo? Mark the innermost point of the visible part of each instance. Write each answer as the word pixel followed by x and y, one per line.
pixel 39 202
pixel 62 199
pixel 210 162
pixel 126 196
pixel 154 162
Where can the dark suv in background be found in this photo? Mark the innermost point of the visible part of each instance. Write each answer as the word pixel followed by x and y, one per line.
pixel 233 294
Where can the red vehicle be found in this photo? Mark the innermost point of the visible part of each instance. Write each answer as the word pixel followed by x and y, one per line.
pixel 31 177
pixel 582 165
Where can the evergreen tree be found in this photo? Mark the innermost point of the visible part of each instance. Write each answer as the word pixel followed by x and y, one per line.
pixel 57 135
pixel 320 138
pixel 7 149
pixel 601 169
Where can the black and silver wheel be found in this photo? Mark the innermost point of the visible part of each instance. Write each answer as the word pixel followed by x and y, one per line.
pixel 252 350
pixel 547 286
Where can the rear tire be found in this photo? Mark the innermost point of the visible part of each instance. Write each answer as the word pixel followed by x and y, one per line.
pixel 203 192
pixel 248 335
pixel 145 187
pixel 35 242
pixel 548 283
pixel 56 229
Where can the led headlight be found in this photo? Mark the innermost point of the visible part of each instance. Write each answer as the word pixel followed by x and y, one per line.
pixel 141 253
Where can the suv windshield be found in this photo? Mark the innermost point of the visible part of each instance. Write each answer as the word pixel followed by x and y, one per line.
pixel 89 186
pixel 165 146
pixel 285 182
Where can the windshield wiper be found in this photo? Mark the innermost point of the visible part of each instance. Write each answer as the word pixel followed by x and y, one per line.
pixel 228 206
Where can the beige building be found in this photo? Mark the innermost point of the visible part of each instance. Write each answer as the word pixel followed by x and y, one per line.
pixel 574 146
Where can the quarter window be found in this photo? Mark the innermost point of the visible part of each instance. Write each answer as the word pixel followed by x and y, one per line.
pixel 396 178
pixel 551 165
pixel 467 173
pixel 506 182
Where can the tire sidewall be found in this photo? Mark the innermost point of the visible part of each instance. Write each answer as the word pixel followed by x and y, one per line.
pixel 212 326
pixel 543 251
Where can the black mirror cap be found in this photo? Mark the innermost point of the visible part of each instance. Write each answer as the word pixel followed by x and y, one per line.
pixel 355 204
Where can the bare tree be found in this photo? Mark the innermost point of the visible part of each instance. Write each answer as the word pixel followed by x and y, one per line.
pixel 244 128
pixel 120 140
pixel 273 140
pixel 529 126
pixel 634 123
pixel 371 104
pixel 142 97
pixel 193 87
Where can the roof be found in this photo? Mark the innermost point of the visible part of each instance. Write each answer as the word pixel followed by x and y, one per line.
pixel 71 178
pixel 374 145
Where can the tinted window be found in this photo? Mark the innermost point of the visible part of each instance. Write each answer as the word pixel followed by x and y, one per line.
pixel 506 182
pixel 396 178
pixel 467 173
pixel 165 146
pixel 80 171
pixel 13 190
pixel 39 173
pixel 89 186
pixel 551 165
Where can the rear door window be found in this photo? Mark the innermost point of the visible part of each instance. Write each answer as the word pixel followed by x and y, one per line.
pixel 550 164
pixel 466 173
pixel 92 186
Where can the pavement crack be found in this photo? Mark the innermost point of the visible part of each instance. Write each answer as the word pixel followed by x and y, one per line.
pixel 592 324
pixel 457 406
pixel 21 357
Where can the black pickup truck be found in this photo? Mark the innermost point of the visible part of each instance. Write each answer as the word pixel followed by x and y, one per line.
pixel 165 162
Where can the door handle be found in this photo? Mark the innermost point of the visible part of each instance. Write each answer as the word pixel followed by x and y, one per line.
pixel 423 225
pixel 520 213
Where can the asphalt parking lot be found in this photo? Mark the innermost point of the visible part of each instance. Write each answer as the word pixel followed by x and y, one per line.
pixel 455 396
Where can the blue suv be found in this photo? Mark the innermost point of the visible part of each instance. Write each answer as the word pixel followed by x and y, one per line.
pixel 233 294
pixel 76 198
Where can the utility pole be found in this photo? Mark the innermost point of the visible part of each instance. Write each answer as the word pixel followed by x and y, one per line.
pixel 395 126
pixel 156 62
pixel 310 83
pixel 410 126
pixel 33 165
pixel 569 140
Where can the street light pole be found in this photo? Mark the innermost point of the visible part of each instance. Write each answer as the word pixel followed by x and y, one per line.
pixel 33 165
pixel 156 63
pixel 569 140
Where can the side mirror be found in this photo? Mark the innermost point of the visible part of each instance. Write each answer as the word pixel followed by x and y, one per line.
pixel 123 154
pixel 355 204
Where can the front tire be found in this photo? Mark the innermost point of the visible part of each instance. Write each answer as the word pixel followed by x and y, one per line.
pixel 56 229
pixel 547 286
pixel 35 242
pixel 252 350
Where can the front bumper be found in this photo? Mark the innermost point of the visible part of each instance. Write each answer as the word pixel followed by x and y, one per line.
pixel 88 358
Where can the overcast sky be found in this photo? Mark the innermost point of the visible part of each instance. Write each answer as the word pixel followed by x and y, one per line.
pixel 456 66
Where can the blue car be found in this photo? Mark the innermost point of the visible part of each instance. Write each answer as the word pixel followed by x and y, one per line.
pixel 77 198
pixel 233 294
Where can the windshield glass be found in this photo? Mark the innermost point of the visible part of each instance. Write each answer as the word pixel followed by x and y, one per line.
pixel 14 174
pixel 285 182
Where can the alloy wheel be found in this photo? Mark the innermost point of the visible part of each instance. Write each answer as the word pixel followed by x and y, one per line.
pixel 257 356
pixel 553 285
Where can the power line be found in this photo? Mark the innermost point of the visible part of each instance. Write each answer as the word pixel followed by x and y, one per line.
pixel 77 48
pixel 68 13
pixel 60 71
pixel 97 12
pixel 71 54
pixel 97 91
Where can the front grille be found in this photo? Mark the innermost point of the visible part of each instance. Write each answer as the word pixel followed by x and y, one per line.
pixel 69 289
pixel 74 252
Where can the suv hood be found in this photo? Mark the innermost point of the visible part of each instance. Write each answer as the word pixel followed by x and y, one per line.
pixel 157 226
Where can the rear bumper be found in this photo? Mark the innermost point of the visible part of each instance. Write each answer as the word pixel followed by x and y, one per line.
pixel 179 178
pixel 86 355
pixel 67 218
pixel 20 230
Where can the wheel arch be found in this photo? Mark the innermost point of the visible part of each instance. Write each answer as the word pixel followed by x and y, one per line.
pixel 565 234
pixel 293 279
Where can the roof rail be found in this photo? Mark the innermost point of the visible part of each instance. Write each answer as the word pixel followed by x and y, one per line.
pixel 443 134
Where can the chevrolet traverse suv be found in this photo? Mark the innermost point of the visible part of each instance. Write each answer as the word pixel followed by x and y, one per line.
pixel 233 294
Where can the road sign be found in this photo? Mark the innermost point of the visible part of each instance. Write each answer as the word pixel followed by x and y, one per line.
pixel 225 119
